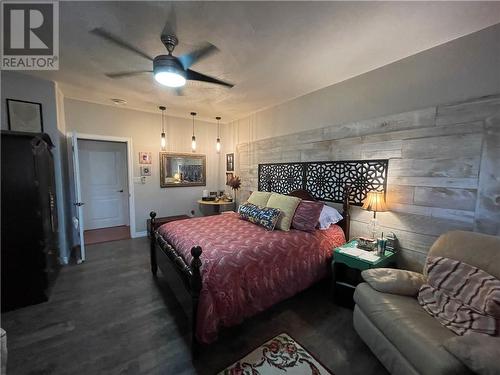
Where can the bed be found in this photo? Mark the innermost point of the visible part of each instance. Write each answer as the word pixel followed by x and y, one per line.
pixel 233 269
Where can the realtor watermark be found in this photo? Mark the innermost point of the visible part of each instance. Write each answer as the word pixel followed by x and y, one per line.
pixel 30 35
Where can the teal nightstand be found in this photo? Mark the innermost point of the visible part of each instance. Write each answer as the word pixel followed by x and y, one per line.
pixel 350 266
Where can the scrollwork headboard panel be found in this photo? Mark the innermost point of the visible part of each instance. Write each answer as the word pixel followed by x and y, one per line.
pixel 326 180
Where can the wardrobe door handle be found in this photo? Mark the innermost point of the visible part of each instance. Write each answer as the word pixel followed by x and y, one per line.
pixel 120 191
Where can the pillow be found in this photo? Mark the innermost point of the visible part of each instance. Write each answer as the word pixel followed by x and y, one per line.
pixel 328 216
pixel 461 297
pixel 390 280
pixel 478 352
pixel 287 205
pixel 307 215
pixel 264 216
pixel 259 198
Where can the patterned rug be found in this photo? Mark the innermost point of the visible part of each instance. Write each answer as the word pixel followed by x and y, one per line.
pixel 280 355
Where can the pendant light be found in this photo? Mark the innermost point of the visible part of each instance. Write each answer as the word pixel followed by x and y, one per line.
pixel 193 138
pixel 163 139
pixel 217 145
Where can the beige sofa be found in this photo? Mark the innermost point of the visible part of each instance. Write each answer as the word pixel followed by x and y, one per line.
pixel 399 332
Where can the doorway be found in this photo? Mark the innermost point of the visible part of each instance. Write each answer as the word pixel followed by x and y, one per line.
pixel 103 190
pixel 104 187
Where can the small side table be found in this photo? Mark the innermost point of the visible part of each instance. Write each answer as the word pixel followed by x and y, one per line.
pixel 351 262
pixel 217 205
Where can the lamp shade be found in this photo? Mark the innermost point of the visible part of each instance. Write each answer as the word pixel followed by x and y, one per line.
pixel 375 201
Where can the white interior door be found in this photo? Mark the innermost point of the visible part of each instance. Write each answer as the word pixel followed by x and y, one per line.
pixel 103 182
pixel 78 203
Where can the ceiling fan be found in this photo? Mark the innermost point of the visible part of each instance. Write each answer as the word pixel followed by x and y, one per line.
pixel 168 70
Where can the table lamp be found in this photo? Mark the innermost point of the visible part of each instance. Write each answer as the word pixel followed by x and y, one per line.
pixel 375 202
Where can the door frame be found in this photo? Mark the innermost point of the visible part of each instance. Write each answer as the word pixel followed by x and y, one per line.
pixel 130 171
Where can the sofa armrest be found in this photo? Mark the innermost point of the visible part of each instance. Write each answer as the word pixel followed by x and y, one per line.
pixel 394 281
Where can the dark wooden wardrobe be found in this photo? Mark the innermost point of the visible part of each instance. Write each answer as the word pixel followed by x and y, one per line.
pixel 30 253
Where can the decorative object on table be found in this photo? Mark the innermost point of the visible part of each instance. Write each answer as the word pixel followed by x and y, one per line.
pixel 230 162
pixel 235 184
pixel 24 116
pixel 177 169
pixel 145 158
pixel 193 138
pixel 392 242
pixel 163 137
pixel 280 355
pixel 381 243
pixel 229 177
pixel 145 170
pixel 217 144
pixel 375 201
pixel 368 244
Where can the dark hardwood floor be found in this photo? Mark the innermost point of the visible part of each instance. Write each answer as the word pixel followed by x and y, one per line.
pixel 108 316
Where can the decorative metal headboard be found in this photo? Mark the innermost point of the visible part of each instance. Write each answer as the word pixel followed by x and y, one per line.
pixel 326 180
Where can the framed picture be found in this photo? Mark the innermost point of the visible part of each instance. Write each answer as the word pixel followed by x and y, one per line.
pixel 24 116
pixel 229 176
pixel 230 162
pixel 145 170
pixel 145 158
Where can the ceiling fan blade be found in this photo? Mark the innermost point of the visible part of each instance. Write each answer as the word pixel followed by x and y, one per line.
pixel 119 42
pixel 188 59
pixel 127 74
pixel 195 76
pixel 170 27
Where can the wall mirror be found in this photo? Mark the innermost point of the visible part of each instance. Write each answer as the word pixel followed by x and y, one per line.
pixel 178 170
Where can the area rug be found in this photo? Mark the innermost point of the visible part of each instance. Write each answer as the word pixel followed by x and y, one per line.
pixel 280 355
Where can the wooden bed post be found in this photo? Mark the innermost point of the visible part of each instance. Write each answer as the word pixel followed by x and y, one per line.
pixel 152 247
pixel 195 292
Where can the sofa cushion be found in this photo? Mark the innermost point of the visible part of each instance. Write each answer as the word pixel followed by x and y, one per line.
pixel 418 336
pixel 478 352
pixel 390 280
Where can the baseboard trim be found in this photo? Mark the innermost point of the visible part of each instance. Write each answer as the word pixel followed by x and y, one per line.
pixel 144 233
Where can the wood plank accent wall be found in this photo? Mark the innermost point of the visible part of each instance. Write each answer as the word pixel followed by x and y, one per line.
pixel 444 169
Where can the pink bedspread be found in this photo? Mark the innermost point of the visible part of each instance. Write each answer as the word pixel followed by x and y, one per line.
pixel 247 269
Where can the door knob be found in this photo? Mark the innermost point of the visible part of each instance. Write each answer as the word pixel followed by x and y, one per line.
pixel 79 204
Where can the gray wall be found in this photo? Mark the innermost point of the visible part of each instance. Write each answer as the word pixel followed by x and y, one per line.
pixel 25 87
pixel 444 169
pixel 144 129
pixel 400 112
pixel 462 69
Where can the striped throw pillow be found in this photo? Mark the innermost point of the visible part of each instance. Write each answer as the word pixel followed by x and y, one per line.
pixel 461 297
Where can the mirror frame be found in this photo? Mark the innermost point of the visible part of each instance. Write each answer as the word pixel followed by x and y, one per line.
pixel 163 161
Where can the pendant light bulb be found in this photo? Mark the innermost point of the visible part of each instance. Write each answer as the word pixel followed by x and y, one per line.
pixel 193 143
pixel 163 142
pixel 193 138
pixel 218 145
pixel 163 139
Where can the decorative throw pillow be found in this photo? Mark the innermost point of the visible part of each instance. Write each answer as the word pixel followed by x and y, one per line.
pixel 287 205
pixel 390 280
pixel 264 216
pixel 328 216
pixel 259 198
pixel 461 297
pixel 307 215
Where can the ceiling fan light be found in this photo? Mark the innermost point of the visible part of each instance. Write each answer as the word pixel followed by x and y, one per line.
pixel 170 79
